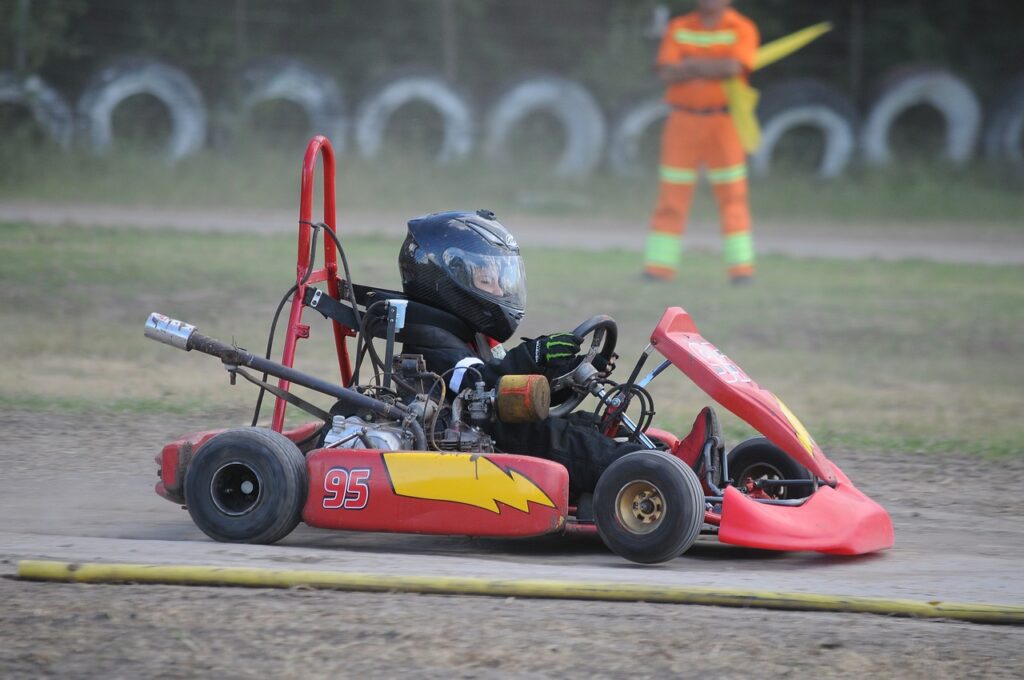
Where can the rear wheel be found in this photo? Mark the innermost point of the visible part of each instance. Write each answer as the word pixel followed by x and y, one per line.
pixel 247 485
pixel 649 507
pixel 759 460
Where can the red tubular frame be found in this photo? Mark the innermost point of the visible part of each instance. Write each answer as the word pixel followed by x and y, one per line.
pixel 317 146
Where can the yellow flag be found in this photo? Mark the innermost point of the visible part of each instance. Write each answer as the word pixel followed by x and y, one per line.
pixel 770 53
pixel 742 106
pixel 743 98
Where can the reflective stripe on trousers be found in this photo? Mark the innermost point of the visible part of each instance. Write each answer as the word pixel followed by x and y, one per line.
pixel 690 142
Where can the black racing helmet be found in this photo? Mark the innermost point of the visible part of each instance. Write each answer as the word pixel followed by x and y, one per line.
pixel 466 263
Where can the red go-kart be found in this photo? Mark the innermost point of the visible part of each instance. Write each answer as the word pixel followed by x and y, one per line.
pixel 398 455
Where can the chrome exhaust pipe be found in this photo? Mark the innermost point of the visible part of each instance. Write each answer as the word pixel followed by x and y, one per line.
pixel 169 331
pixel 185 336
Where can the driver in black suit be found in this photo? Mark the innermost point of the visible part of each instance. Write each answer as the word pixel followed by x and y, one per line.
pixel 468 264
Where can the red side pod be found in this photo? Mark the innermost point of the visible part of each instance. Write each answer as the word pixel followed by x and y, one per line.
pixel 435 493
pixel 174 458
pixel 173 461
pixel 678 339
pixel 840 521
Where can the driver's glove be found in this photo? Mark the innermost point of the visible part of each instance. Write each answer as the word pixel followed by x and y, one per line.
pixel 604 366
pixel 553 350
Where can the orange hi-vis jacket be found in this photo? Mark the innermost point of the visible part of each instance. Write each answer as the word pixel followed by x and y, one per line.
pixel 734 37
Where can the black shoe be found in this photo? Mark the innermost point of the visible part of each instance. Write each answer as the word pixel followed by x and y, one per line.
pixel 742 280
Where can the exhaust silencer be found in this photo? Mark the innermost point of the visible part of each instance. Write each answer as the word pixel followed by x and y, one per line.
pixel 185 336
pixel 169 331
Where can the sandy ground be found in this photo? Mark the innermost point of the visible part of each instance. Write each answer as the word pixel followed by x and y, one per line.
pixel 79 487
pixel 134 631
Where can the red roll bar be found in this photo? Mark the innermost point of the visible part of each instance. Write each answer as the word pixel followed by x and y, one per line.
pixel 319 145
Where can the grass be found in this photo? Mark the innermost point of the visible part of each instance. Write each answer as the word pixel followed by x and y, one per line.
pixel 409 183
pixel 899 357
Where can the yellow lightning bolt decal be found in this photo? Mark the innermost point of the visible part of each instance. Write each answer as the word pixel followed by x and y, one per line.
pixel 461 478
pixel 801 432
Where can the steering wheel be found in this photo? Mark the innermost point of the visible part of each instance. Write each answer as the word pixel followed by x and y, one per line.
pixel 605 332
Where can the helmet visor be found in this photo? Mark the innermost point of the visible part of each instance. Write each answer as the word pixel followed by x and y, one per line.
pixel 501 278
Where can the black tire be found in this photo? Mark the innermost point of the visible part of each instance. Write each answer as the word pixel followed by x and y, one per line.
pixel 573 106
pixel 126 77
pixel 409 85
pixel 913 85
pixel 758 458
pixel 47 106
pixel 266 463
pixel 648 507
pixel 1004 134
pixel 807 102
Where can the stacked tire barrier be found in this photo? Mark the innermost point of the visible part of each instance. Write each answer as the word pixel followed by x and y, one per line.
pixel 589 140
pixel 573 106
pixel 119 80
pixel 393 92
pixel 47 106
pixel 291 80
pixel 631 125
pixel 797 103
pixel 911 86
pixel 1004 134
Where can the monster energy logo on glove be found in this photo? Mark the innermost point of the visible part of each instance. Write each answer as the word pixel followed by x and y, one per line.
pixel 555 348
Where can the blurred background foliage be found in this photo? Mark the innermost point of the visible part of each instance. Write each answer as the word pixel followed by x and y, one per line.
pixel 606 44
pixel 941 342
pixel 482 46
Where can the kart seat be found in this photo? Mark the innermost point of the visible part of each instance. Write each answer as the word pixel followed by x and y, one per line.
pixel 367 296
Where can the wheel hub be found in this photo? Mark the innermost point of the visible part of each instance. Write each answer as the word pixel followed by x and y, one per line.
pixel 757 473
pixel 640 506
pixel 235 488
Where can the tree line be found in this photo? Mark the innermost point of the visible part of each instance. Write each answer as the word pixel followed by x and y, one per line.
pixel 480 44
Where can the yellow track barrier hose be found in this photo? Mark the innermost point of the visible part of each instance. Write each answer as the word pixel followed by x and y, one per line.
pixel 39 570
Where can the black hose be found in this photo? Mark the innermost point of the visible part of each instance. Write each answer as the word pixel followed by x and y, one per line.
pixel 344 264
pixel 364 343
pixel 277 315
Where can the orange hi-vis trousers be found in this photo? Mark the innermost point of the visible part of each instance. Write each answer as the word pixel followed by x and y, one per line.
pixel 690 141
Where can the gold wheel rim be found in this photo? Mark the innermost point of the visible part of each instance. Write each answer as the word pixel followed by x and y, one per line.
pixel 640 507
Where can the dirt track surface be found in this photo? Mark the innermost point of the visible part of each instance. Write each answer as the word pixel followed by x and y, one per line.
pixel 163 631
pixel 78 487
pixel 962 243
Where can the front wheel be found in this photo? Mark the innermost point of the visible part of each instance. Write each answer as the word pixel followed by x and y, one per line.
pixel 247 486
pixel 761 461
pixel 648 507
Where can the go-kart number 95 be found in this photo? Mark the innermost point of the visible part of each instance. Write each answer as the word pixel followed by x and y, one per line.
pixel 346 489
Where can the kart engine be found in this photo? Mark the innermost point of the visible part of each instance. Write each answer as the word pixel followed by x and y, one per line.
pixel 353 432
pixel 455 426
